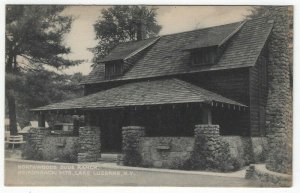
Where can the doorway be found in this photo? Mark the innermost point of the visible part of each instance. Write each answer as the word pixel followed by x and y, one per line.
pixel 111 122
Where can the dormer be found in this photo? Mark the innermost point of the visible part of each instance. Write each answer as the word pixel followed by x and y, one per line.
pixel 124 56
pixel 210 45
pixel 204 56
pixel 114 69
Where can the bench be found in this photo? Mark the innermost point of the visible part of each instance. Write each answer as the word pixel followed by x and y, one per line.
pixel 15 139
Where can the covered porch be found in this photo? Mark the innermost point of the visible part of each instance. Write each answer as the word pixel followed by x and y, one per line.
pixel 164 108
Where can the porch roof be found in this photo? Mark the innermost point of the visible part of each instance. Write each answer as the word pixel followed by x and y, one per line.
pixel 155 92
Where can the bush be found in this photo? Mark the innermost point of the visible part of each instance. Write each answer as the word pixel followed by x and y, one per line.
pixel 280 158
pixel 218 159
pixel 132 155
pixel 68 156
pixel 30 151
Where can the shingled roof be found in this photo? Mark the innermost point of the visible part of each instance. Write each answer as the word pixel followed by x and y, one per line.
pixel 126 49
pixel 167 55
pixel 214 36
pixel 166 91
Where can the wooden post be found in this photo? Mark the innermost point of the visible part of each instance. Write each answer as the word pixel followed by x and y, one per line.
pixel 88 120
pixel 41 120
pixel 206 116
pixel 132 118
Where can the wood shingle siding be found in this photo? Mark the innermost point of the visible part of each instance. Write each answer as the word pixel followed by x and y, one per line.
pixel 233 84
pixel 258 95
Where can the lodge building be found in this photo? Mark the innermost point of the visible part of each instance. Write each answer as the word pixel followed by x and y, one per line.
pixel 161 88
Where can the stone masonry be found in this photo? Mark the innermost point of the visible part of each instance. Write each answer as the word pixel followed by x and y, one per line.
pixel 60 148
pixel 210 151
pixel 130 145
pixel 279 103
pixel 89 144
pixel 166 152
pixel 37 135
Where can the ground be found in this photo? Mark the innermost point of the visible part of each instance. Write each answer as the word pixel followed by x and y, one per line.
pixel 21 173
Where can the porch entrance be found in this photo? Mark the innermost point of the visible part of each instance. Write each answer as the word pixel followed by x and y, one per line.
pixel 110 123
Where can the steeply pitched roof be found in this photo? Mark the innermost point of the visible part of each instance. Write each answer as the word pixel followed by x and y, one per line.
pixel 167 91
pixel 126 49
pixel 166 56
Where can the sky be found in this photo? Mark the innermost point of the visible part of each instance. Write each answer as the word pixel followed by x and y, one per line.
pixel 173 19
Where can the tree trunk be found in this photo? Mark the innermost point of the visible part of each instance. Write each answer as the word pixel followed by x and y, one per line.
pixel 12 114
pixel 11 98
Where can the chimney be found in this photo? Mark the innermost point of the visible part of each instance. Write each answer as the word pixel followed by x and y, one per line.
pixel 141 30
pixel 279 103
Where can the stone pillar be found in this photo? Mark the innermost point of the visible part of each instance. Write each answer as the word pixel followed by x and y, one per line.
pixel 35 141
pixel 130 145
pixel 37 136
pixel 279 103
pixel 206 138
pixel 207 135
pixel 89 144
pixel 210 152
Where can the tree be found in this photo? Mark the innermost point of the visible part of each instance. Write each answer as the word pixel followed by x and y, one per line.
pixel 259 11
pixel 34 34
pixel 32 93
pixel 123 23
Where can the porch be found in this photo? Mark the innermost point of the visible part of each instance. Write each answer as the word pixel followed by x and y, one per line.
pixel 163 108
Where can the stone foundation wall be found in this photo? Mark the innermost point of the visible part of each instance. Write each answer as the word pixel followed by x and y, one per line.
pixel 41 145
pixel 247 150
pixel 89 144
pixel 61 149
pixel 207 150
pixel 165 152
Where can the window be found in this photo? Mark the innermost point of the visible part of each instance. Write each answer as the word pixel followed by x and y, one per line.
pixel 203 56
pixel 113 69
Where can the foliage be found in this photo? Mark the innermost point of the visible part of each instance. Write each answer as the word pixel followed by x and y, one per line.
pixel 122 23
pixel 33 38
pixel 35 32
pixel 218 159
pixel 132 156
pixel 259 11
pixel 280 158
pixel 38 88
pixel 30 151
pixel 69 156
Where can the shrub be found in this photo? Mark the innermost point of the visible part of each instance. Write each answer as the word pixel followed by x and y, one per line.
pixel 69 156
pixel 30 151
pixel 280 158
pixel 132 155
pixel 218 159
